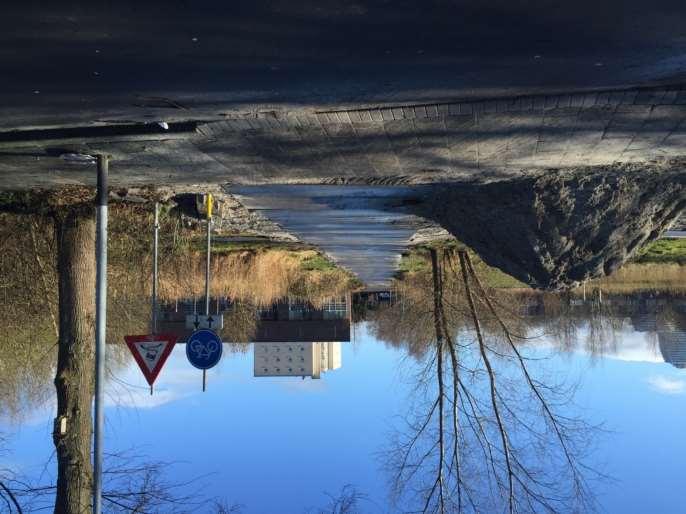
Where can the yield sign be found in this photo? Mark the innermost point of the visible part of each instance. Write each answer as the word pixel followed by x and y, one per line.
pixel 151 352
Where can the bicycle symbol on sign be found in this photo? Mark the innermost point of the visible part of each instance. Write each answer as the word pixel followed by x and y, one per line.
pixel 204 349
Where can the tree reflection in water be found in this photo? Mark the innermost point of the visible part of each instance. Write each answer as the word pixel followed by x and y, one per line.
pixel 485 434
pixel 45 242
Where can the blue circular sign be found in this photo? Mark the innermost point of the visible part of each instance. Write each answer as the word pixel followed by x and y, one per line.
pixel 204 349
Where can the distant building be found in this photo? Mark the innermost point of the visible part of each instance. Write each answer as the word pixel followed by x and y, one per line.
pixel 644 321
pixel 296 359
pixel 297 321
pixel 286 320
pixel 672 341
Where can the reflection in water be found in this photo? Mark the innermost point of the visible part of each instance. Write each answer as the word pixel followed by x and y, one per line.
pixel 296 360
pixel 673 344
pixel 555 230
pixel 602 323
pixel 486 428
pixel 317 330
pixel 570 321
pixel 287 319
pixel 484 433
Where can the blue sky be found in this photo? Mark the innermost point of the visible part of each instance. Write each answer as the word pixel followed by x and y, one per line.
pixel 279 444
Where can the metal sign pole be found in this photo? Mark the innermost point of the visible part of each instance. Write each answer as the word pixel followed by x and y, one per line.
pixel 207 271
pixel 154 268
pixel 208 205
pixel 154 273
pixel 100 329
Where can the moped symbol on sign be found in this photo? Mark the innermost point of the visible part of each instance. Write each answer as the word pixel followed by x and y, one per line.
pixel 204 349
pixel 151 352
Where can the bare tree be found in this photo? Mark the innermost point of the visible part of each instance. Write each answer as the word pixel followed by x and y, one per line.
pixel 131 484
pixel 59 293
pixel 7 496
pixel 74 381
pixel 486 433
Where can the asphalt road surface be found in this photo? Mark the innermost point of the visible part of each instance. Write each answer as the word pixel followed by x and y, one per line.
pixel 76 63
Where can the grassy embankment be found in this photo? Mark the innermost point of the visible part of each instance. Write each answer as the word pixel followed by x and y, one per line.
pixel 254 271
pixel 258 275
pixel 660 265
pixel 663 251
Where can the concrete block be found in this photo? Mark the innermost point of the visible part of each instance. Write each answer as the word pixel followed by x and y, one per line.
pixel 376 114
pixel 633 111
pixel 601 114
pixel 669 97
pixel 420 111
pixel 539 103
pixel 577 101
pixel 674 113
pixel 630 96
pixel 428 125
pixel 552 145
pixel 398 113
pixel 366 116
pixel 589 100
pixel 304 120
pixel 431 111
pixel 232 125
pixel 344 117
pixel 616 98
pixel 466 108
pixel 408 112
pixel 459 125
pixel 354 117
pixel 339 130
pixel 647 97
pixel 366 127
pixel 609 150
pixel 551 102
pixel 675 143
pixel 564 101
pixel 386 114
pixel 243 124
pixel 603 98
pixel 490 106
pixel 273 123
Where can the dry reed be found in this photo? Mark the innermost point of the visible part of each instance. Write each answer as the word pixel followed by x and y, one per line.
pixel 259 278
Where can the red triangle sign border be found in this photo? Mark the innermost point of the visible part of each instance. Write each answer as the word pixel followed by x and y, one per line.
pixel 169 341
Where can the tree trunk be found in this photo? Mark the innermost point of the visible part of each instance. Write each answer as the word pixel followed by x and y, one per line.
pixel 74 378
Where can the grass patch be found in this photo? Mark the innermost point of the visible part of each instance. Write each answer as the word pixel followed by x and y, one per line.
pixel 309 258
pixel 417 261
pixel 663 251
pixel 413 262
pixel 316 262
pixel 225 247
pixel 493 277
pixel 661 265
pixel 654 276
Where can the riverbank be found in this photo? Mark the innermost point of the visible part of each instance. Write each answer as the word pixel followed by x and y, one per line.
pixel 660 265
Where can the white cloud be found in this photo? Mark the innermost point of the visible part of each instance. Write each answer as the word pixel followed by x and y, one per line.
pixel 136 398
pixel 129 389
pixel 667 385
